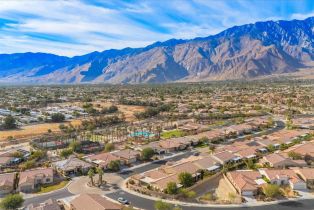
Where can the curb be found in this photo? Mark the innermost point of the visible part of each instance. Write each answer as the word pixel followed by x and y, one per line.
pixel 47 193
pixel 175 202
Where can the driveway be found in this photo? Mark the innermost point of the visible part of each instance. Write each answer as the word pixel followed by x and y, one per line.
pixel 207 186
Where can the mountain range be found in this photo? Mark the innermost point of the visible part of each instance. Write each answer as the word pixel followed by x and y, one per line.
pixel 241 52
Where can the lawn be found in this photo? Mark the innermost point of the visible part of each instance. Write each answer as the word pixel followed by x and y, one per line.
pixel 172 134
pixel 50 188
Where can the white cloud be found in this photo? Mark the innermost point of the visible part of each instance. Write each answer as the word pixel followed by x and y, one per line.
pixel 75 27
pixel 300 16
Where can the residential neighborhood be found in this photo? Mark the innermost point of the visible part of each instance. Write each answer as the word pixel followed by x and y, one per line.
pixel 200 153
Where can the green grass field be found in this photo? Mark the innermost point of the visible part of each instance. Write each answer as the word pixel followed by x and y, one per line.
pixel 172 134
pixel 45 189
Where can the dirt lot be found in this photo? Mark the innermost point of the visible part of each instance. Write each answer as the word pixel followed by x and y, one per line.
pixel 38 129
pixel 226 193
pixel 128 110
pixel 34 130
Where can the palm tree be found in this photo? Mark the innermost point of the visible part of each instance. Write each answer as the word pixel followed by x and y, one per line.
pixel 159 130
pixel 91 174
pixel 100 173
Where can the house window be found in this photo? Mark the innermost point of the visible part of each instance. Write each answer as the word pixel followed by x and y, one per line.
pixel 47 180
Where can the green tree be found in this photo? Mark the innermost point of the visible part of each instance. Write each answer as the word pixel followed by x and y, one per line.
pixel 109 147
pixel 75 146
pixel 114 165
pixel 36 155
pixel 172 188
pixel 9 122
pixel 249 164
pixel 160 205
pixel 100 173
pixel 147 153
pixel 271 148
pixel 12 201
pixel 91 175
pixel 66 152
pixel 57 117
pixel 271 190
pixel 186 179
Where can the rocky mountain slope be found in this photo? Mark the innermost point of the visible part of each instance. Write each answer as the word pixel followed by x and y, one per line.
pixel 240 52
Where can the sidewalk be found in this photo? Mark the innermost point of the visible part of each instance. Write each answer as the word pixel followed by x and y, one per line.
pixel 31 195
pixel 250 202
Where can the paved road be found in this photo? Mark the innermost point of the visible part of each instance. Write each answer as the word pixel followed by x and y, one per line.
pixel 149 204
pixel 65 193
pixel 42 198
pixel 155 164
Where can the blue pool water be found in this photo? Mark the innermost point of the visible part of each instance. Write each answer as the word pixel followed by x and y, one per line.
pixel 142 133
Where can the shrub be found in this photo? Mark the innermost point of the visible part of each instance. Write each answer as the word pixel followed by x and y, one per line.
pixel 186 179
pixel 114 165
pixel 271 190
pixel 9 122
pixel 171 188
pixel 12 201
pixel 294 155
pixel 66 153
pixel 147 153
pixel 160 205
pixel 208 197
pixel 57 117
pixel 187 194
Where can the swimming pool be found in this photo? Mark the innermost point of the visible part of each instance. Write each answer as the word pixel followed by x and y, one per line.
pixel 145 134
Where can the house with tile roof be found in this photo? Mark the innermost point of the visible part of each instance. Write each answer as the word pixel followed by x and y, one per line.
pixel 93 201
pixel 159 178
pixel 31 179
pixel 277 160
pixel 226 157
pixel 7 182
pixel 72 166
pixel 284 177
pixel 246 182
pixel 127 156
pixel 102 160
pixel 49 204
pixel 302 149
pixel 307 175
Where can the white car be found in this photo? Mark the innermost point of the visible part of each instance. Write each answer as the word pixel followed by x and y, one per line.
pixel 123 201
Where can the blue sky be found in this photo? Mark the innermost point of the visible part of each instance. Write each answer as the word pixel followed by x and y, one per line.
pixel 79 27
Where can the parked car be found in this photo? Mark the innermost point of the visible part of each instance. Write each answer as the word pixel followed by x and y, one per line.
pixel 123 201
